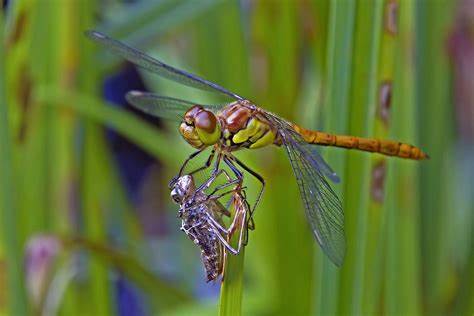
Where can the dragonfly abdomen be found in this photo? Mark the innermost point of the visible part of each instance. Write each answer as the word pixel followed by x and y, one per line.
pixel 385 147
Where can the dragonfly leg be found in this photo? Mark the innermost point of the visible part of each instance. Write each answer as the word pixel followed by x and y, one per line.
pixel 216 224
pixel 180 173
pixel 206 165
pixel 192 156
pixel 240 175
pixel 215 197
pixel 214 175
pixel 225 242
pixel 260 193
pixel 250 224
pixel 229 183
pixel 223 233
pixel 219 230
pixel 220 195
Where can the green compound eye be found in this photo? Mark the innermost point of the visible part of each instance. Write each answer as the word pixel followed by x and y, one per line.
pixel 207 127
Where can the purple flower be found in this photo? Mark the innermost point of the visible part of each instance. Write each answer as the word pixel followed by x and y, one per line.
pixel 41 252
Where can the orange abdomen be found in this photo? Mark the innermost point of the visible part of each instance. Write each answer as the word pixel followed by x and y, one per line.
pixel 385 147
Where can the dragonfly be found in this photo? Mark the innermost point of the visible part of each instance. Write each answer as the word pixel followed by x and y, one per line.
pixel 201 220
pixel 240 124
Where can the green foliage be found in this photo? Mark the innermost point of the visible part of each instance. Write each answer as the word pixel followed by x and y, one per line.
pixel 232 283
pixel 11 249
pixel 322 63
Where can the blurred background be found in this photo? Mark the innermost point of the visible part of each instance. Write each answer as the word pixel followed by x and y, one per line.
pixel 87 224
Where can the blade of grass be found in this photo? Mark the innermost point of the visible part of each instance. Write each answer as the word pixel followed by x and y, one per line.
pixel 311 114
pixel 93 176
pixel 128 18
pixel 160 22
pixel 143 134
pixel 94 173
pixel 45 65
pixel 338 67
pixel 231 70
pixel 16 296
pixel 464 302
pixel 230 302
pixel 432 97
pixel 40 182
pixel 377 207
pixel 285 244
pixel 402 259
pixel 367 36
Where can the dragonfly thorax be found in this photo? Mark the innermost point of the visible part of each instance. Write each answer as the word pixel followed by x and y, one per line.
pixel 243 126
pixel 200 127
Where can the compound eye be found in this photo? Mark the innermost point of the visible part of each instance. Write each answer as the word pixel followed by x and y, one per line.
pixel 206 121
pixel 190 114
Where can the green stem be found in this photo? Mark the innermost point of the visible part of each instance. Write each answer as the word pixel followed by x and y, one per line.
pixel 433 106
pixel 11 244
pixel 338 66
pixel 361 109
pixel 232 282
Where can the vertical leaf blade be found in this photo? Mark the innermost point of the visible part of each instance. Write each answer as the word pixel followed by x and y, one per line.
pixel 10 221
pixel 339 69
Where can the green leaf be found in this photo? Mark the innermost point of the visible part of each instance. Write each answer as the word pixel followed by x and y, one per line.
pixel 143 134
pixel 338 80
pixel 10 219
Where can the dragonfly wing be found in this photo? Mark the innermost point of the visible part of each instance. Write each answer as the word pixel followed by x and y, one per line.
pixel 154 65
pixel 161 106
pixel 322 206
pixel 322 165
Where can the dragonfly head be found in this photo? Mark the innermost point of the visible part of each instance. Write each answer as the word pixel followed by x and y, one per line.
pixel 200 127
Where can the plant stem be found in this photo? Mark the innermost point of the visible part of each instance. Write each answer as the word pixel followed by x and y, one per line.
pixel 9 215
pixel 338 66
pixel 232 281
pixel 433 106
pixel 361 109
pixel 232 284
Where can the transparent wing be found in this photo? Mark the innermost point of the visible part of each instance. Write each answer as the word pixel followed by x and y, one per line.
pixel 154 65
pixel 322 206
pixel 322 165
pixel 161 106
pixel 316 158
